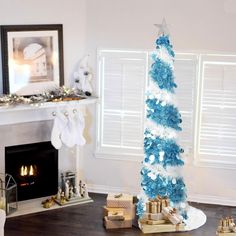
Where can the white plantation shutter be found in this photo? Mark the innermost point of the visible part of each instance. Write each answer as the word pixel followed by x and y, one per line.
pixel 217 138
pixel 185 70
pixel 122 77
pixel 122 83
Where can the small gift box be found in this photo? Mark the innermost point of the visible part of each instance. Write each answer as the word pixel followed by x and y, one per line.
pixel 226 227
pixel 153 216
pixel 114 224
pixel 155 222
pixel 115 215
pixel 126 211
pixel 120 200
pixel 156 205
pixel 172 215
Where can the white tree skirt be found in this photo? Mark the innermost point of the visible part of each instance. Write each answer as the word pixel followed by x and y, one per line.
pixel 196 218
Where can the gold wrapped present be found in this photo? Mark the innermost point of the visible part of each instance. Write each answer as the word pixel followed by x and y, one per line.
pixel 157 204
pixel 120 200
pixel 115 215
pixel 153 216
pixel 126 211
pixel 114 224
pixel 226 227
pixel 156 222
pixel 172 215
pixel 160 228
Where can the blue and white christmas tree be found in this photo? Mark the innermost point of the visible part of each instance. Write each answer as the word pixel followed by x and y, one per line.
pixel 162 165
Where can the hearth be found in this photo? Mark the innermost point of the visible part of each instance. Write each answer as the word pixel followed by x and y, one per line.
pixel 34 168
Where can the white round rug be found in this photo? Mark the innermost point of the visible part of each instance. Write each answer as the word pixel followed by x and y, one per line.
pixel 196 218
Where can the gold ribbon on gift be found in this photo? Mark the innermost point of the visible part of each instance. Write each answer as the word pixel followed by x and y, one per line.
pixel 148 207
pixel 118 195
pixel 156 205
pixel 153 207
pixel 177 227
pixel 159 207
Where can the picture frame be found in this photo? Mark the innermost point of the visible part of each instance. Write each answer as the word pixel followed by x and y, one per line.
pixel 32 58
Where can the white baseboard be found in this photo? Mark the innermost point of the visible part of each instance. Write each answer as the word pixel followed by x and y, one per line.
pixel 212 200
pixel 192 198
pixel 109 189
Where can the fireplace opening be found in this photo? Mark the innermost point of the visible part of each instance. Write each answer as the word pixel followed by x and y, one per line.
pixel 34 168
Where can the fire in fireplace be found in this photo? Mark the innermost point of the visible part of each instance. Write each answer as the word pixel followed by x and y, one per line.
pixel 34 168
pixel 28 175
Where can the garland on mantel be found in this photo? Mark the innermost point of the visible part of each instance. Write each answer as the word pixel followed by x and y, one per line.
pixel 59 94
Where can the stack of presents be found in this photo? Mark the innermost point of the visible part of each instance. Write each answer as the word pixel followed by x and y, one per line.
pixel 226 227
pixel 119 211
pixel 159 216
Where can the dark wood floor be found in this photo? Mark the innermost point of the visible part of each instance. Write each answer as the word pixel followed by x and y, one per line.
pixel 86 220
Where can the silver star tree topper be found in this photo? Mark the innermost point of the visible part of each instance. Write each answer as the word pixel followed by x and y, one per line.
pixel 163 29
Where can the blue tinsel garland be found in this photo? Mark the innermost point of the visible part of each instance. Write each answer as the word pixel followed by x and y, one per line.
pixel 165 42
pixel 166 115
pixel 162 74
pixel 140 207
pixel 154 145
pixel 174 189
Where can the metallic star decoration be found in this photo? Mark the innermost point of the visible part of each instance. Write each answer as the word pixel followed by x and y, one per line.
pixel 163 29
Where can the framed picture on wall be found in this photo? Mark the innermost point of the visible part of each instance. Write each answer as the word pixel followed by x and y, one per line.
pixel 32 58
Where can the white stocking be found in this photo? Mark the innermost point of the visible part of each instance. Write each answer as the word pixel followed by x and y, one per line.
pixel 79 125
pixel 58 127
pixel 68 135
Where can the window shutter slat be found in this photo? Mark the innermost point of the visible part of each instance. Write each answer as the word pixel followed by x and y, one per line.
pixel 185 73
pixel 217 139
pixel 123 76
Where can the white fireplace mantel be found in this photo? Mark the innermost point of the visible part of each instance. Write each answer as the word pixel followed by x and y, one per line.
pixel 24 124
pixel 31 113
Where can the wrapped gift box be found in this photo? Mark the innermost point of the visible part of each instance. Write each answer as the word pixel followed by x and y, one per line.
pixel 160 228
pixel 172 215
pixel 226 227
pixel 115 215
pixel 153 216
pixel 114 224
pixel 225 234
pixel 157 204
pixel 126 211
pixel 119 200
pixel 106 210
pixel 155 222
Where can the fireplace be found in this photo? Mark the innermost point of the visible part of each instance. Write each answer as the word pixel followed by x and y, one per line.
pixel 34 167
pixel 22 125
